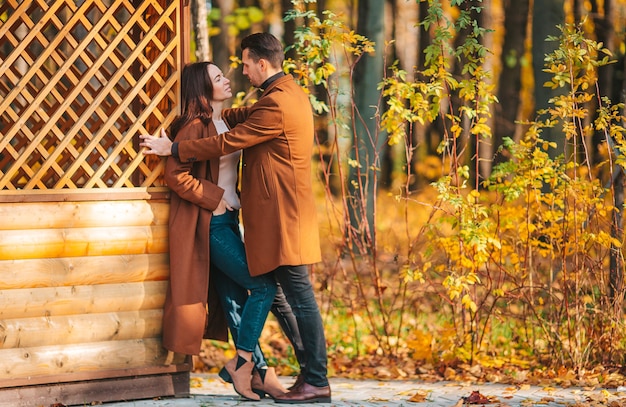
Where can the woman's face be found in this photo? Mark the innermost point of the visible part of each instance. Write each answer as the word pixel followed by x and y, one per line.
pixel 221 85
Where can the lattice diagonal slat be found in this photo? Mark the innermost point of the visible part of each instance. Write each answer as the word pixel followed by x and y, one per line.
pixel 79 80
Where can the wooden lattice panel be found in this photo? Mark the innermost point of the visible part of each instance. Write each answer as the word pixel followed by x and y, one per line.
pixel 79 80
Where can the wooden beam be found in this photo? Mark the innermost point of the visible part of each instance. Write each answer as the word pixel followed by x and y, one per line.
pixel 99 241
pixel 92 392
pixel 84 328
pixel 55 215
pixel 53 301
pixel 81 195
pixel 183 363
pixel 88 270
pixel 80 357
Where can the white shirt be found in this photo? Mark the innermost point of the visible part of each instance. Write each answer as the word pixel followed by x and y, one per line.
pixel 227 179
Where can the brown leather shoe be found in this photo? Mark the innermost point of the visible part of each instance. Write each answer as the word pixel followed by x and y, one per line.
pixel 297 383
pixel 305 393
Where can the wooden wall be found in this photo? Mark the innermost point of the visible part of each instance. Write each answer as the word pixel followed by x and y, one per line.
pixel 82 286
pixel 83 214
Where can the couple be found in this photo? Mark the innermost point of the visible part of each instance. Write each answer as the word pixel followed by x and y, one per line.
pixel 278 211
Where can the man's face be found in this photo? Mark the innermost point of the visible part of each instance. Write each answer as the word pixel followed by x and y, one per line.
pixel 253 70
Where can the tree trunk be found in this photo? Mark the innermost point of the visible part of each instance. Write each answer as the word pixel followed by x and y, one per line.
pixel 387 156
pixel 367 143
pixel 616 266
pixel 223 44
pixel 578 10
pixel 425 139
pixel 484 144
pixel 324 138
pixel 547 15
pixel 201 29
pixel 605 33
pixel 510 82
pixel 403 30
pixel 467 149
pixel 289 29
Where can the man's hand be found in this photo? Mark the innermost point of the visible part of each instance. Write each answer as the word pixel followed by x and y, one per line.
pixel 156 145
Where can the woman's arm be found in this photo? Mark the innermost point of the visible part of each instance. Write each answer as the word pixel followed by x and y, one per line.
pixel 182 179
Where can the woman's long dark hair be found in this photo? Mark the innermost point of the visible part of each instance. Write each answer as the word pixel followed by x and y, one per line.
pixel 196 91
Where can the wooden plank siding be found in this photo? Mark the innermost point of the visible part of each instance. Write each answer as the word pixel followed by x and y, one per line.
pixel 84 257
pixel 82 286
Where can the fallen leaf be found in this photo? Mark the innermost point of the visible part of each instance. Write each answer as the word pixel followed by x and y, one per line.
pixel 378 399
pixel 598 397
pixel 476 398
pixel 449 374
pixel 419 397
pixel 195 383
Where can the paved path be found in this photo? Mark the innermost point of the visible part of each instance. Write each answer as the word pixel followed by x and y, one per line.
pixel 208 390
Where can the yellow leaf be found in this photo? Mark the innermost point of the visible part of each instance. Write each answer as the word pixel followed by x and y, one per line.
pixel 468 303
pixel 419 397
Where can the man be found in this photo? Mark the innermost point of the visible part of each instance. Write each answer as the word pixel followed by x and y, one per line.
pixel 278 208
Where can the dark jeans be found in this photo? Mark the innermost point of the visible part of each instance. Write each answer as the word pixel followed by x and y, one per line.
pixel 229 257
pixel 299 292
pixel 287 321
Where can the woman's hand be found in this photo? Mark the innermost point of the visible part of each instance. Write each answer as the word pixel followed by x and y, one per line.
pixel 222 208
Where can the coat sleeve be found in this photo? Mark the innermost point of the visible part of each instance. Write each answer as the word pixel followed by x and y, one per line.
pixel 264 122
pixel 183 177
pixel 235 116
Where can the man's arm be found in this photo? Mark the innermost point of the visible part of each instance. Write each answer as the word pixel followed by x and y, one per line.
pixel 156 145
pixel 234 116
pixel 264 123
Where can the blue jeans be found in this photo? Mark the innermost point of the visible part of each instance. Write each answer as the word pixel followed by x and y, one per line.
pixel 295 282
pixel 229 258
pixel 232 297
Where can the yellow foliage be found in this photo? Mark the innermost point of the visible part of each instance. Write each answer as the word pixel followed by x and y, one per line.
pixel 420 345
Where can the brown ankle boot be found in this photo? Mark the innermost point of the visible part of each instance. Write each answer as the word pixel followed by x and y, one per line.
pixel 265 381
pixel 240 371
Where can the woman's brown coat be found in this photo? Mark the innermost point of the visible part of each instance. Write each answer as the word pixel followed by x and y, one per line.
pixel 278 207
pixel 195 195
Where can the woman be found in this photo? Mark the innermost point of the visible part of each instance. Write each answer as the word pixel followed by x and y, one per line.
pixel 203 222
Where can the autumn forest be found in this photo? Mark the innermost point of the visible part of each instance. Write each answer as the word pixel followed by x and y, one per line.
pixel 470 167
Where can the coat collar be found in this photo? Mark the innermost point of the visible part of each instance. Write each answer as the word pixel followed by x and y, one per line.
pixel 271 79
pixel 277 82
